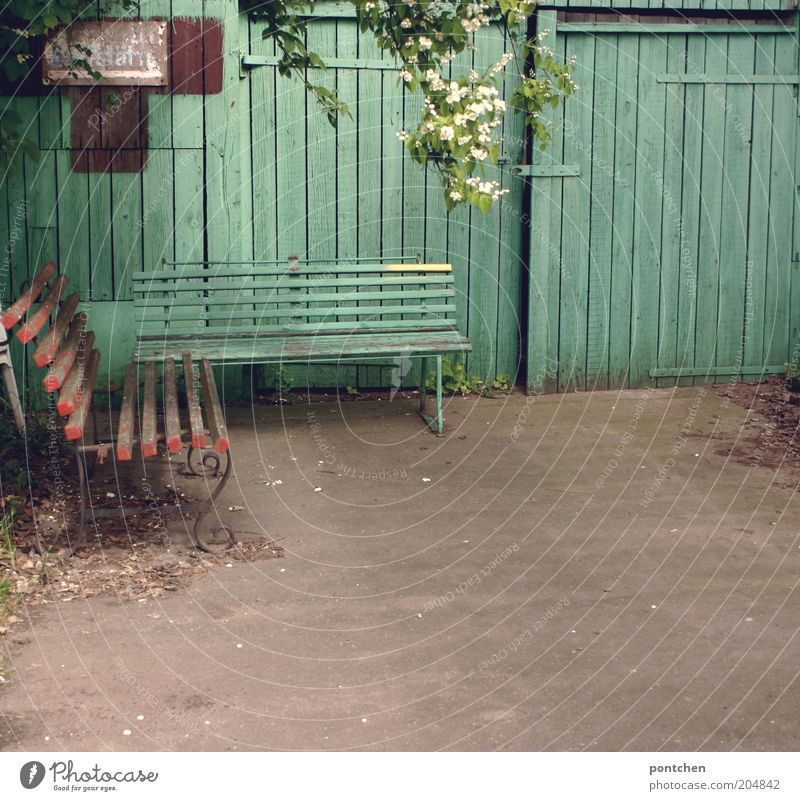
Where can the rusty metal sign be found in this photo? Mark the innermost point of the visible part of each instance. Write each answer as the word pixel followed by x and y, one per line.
pixel 122 52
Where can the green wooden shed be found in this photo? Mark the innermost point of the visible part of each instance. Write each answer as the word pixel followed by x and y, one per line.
pixel 655 242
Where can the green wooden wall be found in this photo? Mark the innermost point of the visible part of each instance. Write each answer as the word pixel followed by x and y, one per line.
pixel 257 172
pixel 350 193
pixel 659 231
pixel 664 245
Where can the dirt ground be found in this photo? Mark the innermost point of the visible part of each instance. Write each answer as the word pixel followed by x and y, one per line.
pixel 608 571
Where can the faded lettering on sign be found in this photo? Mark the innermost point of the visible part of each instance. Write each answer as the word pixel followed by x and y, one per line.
pixel 118 52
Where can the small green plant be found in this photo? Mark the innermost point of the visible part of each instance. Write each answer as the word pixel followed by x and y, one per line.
pixel 352 390
pixel 280 379
pixel 455 378
pixel 502 384
pixel 791 372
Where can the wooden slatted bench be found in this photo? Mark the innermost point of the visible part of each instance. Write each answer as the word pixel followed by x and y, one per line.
pixel 296 312
pixel 67 350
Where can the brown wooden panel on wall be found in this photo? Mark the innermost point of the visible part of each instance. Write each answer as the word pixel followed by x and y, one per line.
pixel 196 56
pixel 109 129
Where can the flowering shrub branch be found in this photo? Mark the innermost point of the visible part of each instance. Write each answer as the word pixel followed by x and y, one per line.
pixel 461 123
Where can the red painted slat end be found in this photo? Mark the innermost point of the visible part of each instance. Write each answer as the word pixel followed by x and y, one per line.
pixel 8 319
pixel 198 440
pixel 148 449
pixel 25 334
pixel 65 408
pixel 42 359
pixel 51 383
pixel 174 444
pixel 124 454
pixel 72 432
pixel 222 444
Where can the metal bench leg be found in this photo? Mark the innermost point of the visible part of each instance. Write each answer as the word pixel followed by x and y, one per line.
pixel 230 540
pixel 436 424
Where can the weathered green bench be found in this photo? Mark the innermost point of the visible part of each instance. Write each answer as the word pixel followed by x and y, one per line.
pixel 300 313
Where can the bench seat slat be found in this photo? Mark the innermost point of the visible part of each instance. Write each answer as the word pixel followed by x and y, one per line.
pixel 48 347
pixel 67 397
pixel 299 297
pixel 298 268
pixel 31 327
pixel 153 315
pixel 12 315
pixel 288 328
pixel 193 402
pixel 149 432
pixel 216 420
pixel 60 368
pixel 330 348
pixel 130 390
pixel 144 292
pixel 172 419
pixel 75 426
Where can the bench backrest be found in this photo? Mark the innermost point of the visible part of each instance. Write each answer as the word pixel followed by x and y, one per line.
pixel 293 298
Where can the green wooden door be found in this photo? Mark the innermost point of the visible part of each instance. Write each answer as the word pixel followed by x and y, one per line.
pixel 662 219
pixel 351 193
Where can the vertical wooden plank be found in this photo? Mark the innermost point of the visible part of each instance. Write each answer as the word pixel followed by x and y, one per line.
pixel 509 244
pixel 324 170
pixel 575 220
pixel 735 280
pixel 781 335
pixel 672 222
pixel 262 159
pixel 484 272
pixel 223 157
pixel 691 202
pixel 51 129
pixel 73 224
pixel 292 176
pixel 158 102
pixel 245 149
pixel 158 208
pixel 189 217
pixel 42 210
pixel 368 186
pixel 348 134
pixel 602 204
pixel 711 194
pixel 544 222
pixel 101 280
pixel 263 125
pixel 627 101
pixel 647 226
pixel 126 198
pixel 757 232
